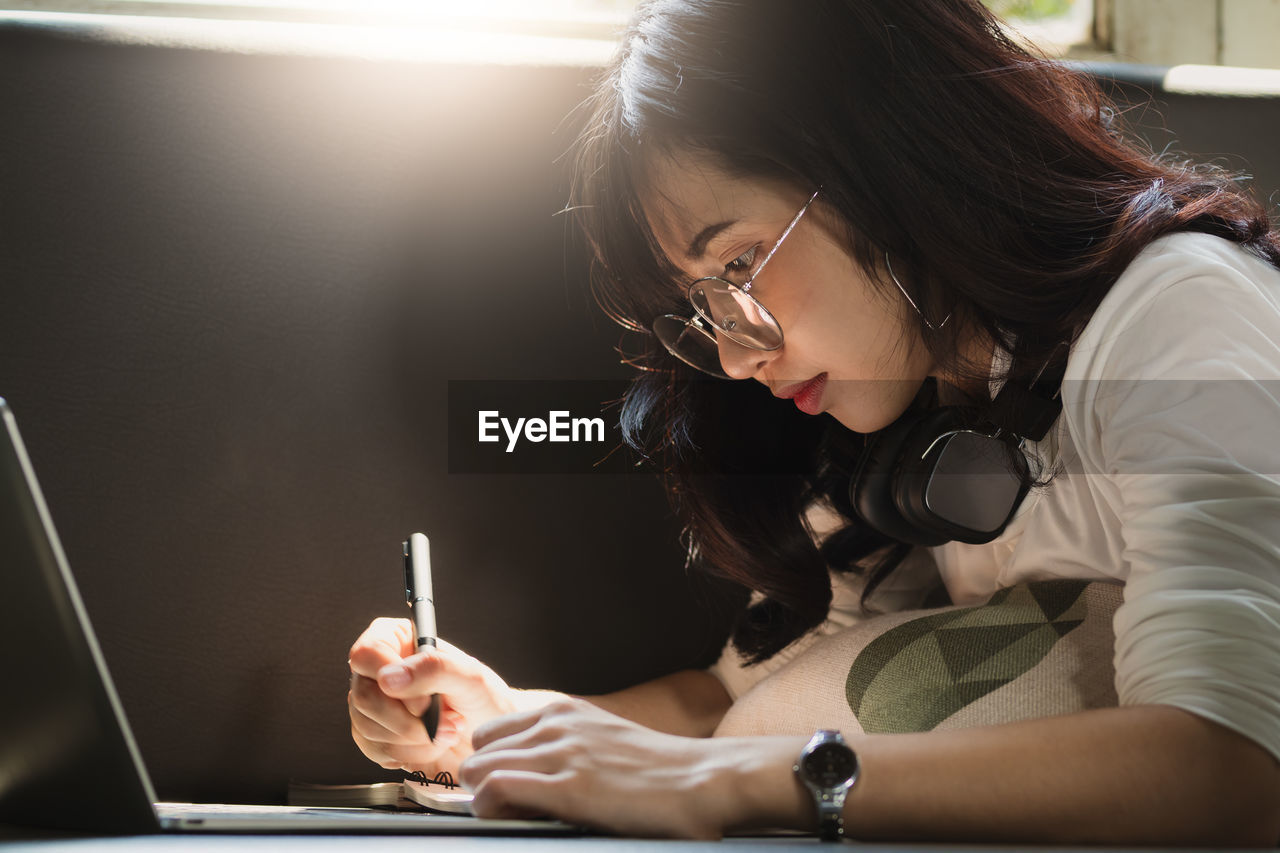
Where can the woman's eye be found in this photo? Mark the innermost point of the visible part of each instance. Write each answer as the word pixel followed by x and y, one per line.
pixel 743 262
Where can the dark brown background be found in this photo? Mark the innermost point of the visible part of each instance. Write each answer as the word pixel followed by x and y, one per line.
pixel 234 287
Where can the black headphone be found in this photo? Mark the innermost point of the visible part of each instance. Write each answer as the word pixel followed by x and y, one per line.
pixel 938 474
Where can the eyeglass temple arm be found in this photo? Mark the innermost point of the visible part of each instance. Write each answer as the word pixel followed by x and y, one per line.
pixel 747 286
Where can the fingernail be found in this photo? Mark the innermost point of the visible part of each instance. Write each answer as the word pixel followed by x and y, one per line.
pixel 396 676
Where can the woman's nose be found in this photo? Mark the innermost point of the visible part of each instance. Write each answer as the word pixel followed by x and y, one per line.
pixel 739 362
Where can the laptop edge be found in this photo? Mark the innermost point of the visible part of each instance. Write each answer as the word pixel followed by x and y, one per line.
pixel 68 759
pixel 56 744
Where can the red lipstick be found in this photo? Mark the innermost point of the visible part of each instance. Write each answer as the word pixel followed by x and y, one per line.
pixel 806 395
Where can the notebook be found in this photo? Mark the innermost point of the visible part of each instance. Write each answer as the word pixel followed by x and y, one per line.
pixel 65 726
pixel 416 793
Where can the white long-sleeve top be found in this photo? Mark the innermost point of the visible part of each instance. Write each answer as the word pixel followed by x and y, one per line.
pixel 1167 461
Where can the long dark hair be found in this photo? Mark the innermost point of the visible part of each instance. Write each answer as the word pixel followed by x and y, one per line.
pixel 1000 183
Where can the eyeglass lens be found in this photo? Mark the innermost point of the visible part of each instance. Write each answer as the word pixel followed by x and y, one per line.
pixel 735 313
pixel 693 345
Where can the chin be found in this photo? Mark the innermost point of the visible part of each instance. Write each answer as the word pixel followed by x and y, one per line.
pixel 869 415
pixel 862 419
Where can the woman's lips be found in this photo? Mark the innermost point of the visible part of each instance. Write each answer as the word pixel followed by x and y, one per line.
pixel 806 395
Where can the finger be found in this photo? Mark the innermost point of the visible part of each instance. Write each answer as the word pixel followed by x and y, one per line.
pixel 416 705
pixel 368 700
pixel 393 753
pixel 515 794
pixel 404 757
pixel 372 750
pixel 370 729
pixel 385 641
pixel 388 756
pixel 503 728
pixel 545 759
pixel 449 731
pixel 549 720
pixel 373 731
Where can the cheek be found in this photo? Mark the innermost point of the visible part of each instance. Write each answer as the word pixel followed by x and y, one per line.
pixel 820 298
pixel 836 320
pixel 854 331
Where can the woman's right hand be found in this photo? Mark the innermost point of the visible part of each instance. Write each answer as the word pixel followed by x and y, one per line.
pixel 391 684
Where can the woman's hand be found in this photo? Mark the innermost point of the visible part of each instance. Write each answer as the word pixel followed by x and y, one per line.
pixel 574 761
pixel 391 683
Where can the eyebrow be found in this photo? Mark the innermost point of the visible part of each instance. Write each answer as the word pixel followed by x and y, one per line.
pixel 703 237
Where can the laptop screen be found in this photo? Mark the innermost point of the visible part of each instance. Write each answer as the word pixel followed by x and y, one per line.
pixel 67 758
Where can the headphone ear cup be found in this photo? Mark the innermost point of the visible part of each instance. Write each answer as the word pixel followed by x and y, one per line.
pixel 958 483
pixel 914 469
pixel 872 490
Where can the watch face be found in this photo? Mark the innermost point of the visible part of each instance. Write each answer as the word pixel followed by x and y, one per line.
pixel 830 765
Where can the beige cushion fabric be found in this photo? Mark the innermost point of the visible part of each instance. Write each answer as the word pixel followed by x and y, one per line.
pixel 1034 650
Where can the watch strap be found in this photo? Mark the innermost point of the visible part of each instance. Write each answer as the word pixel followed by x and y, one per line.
pixel 831 817
pixel 829 801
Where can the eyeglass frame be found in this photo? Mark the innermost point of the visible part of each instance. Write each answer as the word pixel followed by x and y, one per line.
pixel 697 321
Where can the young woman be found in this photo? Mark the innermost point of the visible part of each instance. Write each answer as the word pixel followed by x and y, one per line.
pixel 879 210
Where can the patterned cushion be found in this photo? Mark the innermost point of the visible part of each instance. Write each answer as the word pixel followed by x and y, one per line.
pixel 1033 650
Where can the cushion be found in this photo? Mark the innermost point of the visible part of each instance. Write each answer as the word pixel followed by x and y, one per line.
pixel 1033 650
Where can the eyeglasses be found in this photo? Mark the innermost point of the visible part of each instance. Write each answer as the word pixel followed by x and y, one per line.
pixel 722 307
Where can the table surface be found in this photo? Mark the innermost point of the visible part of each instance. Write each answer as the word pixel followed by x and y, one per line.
pixel 21 840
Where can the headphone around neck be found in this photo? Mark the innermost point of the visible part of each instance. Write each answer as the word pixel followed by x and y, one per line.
pixel 941 473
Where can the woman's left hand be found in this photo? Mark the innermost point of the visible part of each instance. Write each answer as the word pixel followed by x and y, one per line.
pixel 574 761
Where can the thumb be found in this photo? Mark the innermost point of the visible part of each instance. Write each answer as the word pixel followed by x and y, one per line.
pixel 470 685
pixel 397 681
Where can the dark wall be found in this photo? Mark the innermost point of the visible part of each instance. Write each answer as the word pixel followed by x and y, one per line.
pixel 234 288
pixel 233 291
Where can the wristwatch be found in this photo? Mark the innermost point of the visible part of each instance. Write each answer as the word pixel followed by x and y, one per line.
pixel 828 767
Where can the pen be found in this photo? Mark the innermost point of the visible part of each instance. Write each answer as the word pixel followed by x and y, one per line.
pixel 417 591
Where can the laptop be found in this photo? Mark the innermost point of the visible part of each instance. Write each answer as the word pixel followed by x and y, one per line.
pixel 67 757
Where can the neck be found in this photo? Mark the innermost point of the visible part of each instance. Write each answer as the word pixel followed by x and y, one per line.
pixel 971 381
